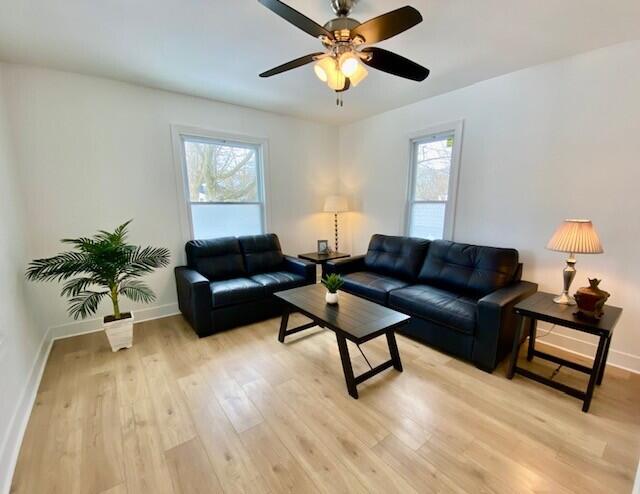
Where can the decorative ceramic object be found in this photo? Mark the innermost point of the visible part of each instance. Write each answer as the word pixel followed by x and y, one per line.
pixel 590 300
pixel 119 332
pixel 331 298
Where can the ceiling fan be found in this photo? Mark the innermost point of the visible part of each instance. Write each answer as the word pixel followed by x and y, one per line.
pixel 346 45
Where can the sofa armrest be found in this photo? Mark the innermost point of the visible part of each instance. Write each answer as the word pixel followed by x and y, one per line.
pixel 194 299
pixel 346 265
pixel 497 323
pixel 300 267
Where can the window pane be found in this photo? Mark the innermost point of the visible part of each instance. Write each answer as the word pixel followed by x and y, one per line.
pixel 221 172
pixel 225 220
pixel 427 220
pixel 433 165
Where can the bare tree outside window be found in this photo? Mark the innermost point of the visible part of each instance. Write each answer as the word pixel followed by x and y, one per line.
pixel 224 186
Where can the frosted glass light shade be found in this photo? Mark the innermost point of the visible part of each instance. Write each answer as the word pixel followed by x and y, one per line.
pixel 336 204
pixel 349 64
pixel 359 75
pixel 576 237
pixel 337 81
pixel 325 68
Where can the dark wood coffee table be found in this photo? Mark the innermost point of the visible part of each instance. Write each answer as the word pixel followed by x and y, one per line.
pixel 353 318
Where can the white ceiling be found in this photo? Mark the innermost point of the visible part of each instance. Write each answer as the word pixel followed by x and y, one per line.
pixel 216 48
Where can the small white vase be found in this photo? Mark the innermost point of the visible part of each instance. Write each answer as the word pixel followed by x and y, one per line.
pixel 331 298
pixel 119 333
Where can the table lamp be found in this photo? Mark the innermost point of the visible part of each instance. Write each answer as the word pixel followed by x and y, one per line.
pixel 335 205
pixel 574 237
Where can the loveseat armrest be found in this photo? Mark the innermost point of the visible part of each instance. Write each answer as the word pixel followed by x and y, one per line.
pixel 346 265
pixel 300 267
pixel 194 299
pixel 497 322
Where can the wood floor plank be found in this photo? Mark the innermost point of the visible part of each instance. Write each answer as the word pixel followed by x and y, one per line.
pixel 327 471
pixel 227 454
pixel 171 411
pixel 191 470
pixel 274 461
pixel 239 412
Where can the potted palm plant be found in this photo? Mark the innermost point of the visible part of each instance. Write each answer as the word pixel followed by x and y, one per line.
pixel 333 283
pixel 98 267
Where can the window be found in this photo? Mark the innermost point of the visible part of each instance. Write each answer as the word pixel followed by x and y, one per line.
pixel 433 185
pixel 224 187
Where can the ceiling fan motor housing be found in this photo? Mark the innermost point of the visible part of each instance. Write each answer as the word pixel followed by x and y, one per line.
pixel 342 8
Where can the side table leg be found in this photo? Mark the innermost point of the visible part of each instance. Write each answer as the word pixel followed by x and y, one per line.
pixel 283 323
pixel 532 339
pixel 346 366
pixel 516 347
pixel 597 363
pixel 393 350
pixel 604 361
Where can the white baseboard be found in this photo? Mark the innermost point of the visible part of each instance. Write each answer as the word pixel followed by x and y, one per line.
pixel 623 360
pixel 92 325
pixel 11 448
pixel 18 424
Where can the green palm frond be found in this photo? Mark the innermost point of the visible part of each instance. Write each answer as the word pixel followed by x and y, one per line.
pixel 59 267
pixel 137 291
pixel 77 285
pixel 85 303
pixel 102 261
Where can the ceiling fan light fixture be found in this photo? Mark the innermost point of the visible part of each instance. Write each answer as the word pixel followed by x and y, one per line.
pixel 337 81
pixel 325 68
pixel 349 63
pixel 359 75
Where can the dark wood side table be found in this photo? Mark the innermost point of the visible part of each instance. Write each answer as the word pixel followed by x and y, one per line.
pixel 322 258
pixel 541 307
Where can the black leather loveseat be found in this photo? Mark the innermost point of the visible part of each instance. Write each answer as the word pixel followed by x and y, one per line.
pixel 460 296
pixel 230 281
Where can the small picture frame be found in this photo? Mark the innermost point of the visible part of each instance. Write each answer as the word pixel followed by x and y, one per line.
pixel 323 246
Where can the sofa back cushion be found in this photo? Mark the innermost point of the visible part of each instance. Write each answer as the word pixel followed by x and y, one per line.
pixel 217 258
pixel 400 257
pixel 262 253
pixel 468 269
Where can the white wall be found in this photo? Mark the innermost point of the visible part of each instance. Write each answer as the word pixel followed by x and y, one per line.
pixel 550 142
pixel 20 338
pixel 94 153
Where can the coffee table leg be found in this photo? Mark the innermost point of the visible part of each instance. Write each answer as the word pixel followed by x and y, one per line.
pixel 283 323
pixel 346 366
pixel 393 350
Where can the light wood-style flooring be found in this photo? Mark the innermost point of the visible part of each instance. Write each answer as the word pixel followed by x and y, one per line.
pixel 240 412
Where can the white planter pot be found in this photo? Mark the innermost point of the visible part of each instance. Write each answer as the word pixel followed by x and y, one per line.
pixel 119 333
pixel 331 298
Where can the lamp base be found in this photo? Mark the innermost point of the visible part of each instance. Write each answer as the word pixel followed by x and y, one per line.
pixel 564 299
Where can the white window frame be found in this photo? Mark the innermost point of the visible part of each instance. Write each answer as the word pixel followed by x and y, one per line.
pixel 180 134
pixel 427 135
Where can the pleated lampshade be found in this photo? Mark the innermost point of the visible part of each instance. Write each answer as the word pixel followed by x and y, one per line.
pixel 576 237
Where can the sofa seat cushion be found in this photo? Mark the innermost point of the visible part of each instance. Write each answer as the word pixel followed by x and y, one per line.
pixel 374 286
pixel 235 291
pixel 278 280
pixel 436 305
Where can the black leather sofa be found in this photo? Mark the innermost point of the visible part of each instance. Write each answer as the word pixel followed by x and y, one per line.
pixel 230 281
pixel 460 296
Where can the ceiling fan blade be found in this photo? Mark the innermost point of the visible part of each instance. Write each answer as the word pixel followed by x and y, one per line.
pixel 298 62
pixel 392 63
pixel 299 20
pixel 387 25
